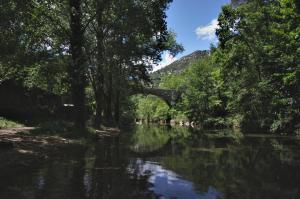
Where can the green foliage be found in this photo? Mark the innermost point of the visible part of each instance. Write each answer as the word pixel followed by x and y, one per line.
pixel 151 108
pixel 51 77
pixel 148 139
pixel 202 99
pixel 172 82
pixel 259 46
pixel 252 79
pixel 203 95
pixel 5 123
pixel 128 116
pixel 63 47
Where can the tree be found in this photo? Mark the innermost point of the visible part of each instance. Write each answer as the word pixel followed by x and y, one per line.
pixel 30 43
pixel 258 53
pixel 130 37
pixel 108 45
pixel 77 68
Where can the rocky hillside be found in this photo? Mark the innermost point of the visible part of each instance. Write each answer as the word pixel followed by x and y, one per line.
pixel 178 66
pixel 236 3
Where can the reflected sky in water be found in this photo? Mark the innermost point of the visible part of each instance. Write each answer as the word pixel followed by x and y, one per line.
pixel 163 163
pixel 169 185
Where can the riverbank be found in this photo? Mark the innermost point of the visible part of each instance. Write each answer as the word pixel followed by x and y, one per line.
pixel 23 146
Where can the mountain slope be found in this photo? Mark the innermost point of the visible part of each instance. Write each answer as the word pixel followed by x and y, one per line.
pixel 178 66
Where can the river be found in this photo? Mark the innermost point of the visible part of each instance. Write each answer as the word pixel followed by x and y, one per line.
pixel 156 162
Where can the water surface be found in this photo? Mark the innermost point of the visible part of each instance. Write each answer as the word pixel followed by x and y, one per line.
pixel 153 162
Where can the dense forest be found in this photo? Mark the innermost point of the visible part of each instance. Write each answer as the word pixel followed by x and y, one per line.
pixel 83 53
pixel 250 80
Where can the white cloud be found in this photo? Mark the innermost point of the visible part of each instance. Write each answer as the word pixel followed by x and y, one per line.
pixel 167 59
pixel 208 32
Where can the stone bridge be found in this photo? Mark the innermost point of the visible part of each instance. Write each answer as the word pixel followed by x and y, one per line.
pixel 170 96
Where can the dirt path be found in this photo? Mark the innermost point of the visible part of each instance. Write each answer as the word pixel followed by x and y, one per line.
pixel 23 140
pixel 12 131
pixel 23 136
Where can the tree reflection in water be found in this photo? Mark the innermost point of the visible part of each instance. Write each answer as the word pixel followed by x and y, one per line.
pixel 163 163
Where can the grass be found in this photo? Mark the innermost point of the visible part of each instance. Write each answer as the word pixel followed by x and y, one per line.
pixel 5 123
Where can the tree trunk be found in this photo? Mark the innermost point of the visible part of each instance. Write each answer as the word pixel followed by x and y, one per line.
pixel 108 99
pixel 99 91
pixel 117 107
pixel 77 65
pixel 117 89
pixel 99 108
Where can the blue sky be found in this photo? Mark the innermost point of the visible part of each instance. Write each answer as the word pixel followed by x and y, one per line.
pixel 194 21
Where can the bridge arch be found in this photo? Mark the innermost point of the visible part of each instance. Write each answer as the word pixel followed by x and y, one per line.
pixel 168 95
